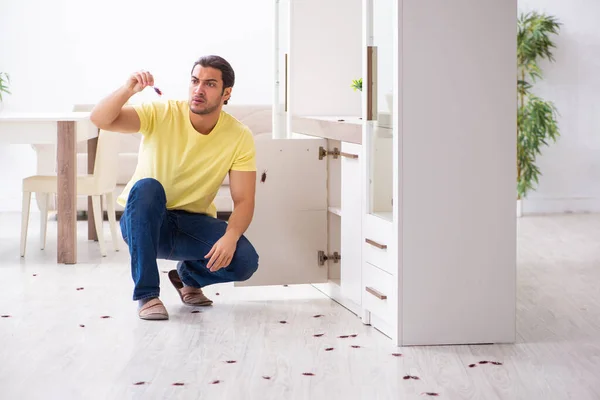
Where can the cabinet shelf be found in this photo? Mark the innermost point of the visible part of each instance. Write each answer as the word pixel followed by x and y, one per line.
pixel 387 215
pixel 343 128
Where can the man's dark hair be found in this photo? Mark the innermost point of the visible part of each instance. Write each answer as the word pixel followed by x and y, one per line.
pixel 222 65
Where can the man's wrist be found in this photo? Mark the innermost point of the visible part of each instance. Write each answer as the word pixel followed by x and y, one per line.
pixel 230 233
pixel 127 91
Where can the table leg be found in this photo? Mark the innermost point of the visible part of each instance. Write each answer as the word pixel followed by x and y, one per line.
pixel 92 146
pixel 66 193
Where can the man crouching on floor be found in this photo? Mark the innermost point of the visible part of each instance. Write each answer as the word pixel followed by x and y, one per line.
pixel 188 148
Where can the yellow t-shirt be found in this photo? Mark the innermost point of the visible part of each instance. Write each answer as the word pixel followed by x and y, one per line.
pixel 190 166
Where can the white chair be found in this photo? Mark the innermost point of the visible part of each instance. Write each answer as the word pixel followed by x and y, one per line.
pixel 101 183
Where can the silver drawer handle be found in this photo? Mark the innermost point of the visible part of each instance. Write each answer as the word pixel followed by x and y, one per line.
pixel 374 243
pixel 349 155
pixel 375 293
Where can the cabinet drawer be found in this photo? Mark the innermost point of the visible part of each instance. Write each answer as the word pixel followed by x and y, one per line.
pixel 378 242
pixel 378 294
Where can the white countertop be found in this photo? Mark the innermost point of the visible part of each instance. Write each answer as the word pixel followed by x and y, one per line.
pixel 344 128
pixel 41 127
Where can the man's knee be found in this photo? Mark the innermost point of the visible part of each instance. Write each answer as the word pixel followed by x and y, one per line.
pixel 247 259
pixel 147 191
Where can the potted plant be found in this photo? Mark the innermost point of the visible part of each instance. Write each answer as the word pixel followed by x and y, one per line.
pixel 356 84
pixel 536 118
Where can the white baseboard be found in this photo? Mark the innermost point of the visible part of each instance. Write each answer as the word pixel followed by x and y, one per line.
pixel 549 205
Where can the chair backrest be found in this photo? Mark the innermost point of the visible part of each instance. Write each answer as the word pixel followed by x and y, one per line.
pixel 106 166
pixel 107 155
pixel 82 146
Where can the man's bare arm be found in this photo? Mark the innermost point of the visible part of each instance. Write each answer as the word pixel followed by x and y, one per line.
pixel 111 114
pixel 243 188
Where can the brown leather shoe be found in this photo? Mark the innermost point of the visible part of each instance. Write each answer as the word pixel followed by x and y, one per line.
pixel 153 310
pixel 189 295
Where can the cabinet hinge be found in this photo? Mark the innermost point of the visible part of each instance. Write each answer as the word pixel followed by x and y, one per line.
pixel 324 153
pixel 323 257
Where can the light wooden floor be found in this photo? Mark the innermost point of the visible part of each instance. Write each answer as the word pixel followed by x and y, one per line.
pixel 45 354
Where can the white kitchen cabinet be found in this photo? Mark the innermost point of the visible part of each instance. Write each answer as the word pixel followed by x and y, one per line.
pixel 416 192
pixel 318 53
pixel 307 220
pixel 439 230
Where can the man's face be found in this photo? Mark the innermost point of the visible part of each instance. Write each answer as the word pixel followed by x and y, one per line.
pixel 206 90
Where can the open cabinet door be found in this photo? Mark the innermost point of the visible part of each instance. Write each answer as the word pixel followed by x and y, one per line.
pixel 289 227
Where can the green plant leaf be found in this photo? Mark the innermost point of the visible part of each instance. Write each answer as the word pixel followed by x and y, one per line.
pixel 537 124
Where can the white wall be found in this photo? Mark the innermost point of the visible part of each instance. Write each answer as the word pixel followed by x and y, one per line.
pixel 63 52
pixel 571 167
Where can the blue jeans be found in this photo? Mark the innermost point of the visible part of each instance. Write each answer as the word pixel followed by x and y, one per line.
pixel 152 232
